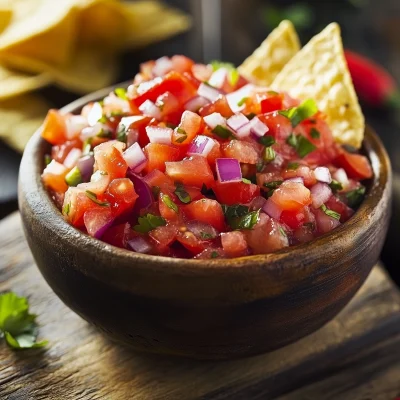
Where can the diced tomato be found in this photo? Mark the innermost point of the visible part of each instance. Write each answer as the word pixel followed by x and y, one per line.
pixel 205 210
pixel 109 159
pixel 54 127
pixel 182 64
pixel 267 236
pixel 193 171
pixel 279 126
pixel 234 243
pixel 164 235
pixel 54 176
pixel 118 235
pixel 291 196
pixel 121 195
pixel 220 105
pixel 272 103
pixel 236 192
pixel 173 82
pixel 324 222
pixel 97 220
pixel 158 154
pixel 202 72
pixel 158 178
pixel 59 152
pixel 356 165
pixel 76 203
pixel 302 172
pixel 244 152
pixel 191 242
pixel 214 154
pixel 166 204
pixel 193 192
pixel 139 123
pixel 188 128
pixel 293 219
pixel 336 205
pixel 167 103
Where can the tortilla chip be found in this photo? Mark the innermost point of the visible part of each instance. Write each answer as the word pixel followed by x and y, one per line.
pixel 20 117
pixel 152 21
pixel 319 71
pixel 6 14
pixel 14 83
pixel 274 53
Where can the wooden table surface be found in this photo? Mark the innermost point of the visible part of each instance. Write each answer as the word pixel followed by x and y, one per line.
pixel 356 356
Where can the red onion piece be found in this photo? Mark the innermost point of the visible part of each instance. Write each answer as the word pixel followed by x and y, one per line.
pixel 228 170
pixel 214 120
pixel 72 158
pixel 142 189
pixel 237 121
pixel 202 146
pixel 140 245
pixel 97 221
pixel 202 230
pixel 162 66
pixel 272 209
pixel 235 97
pixel 218 77
pixel 158 134
pixel 208 92
pixel 98 184
pixel 320 194
pixel 135 158
pixel 341 176
pixel 325 223
pixel 150 109
pixel 195 103
pixel 258 128
pixel 75 124
pixel 297 179
pixel 322 174
pixel 85 165
pixel 257 203
pixel 91 131
pixel 114 103
pixel 55 168
pixel 95 113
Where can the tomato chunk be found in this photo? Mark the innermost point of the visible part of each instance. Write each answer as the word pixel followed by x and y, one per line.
pixel 122 196
pixel 234 243
pixel 54 128
pixel 291 196
pixel 158 154
pixel 193 171
pixel 188 128
pixel 206 210
pixel 356 165
pixel 236 192
pixel 109 159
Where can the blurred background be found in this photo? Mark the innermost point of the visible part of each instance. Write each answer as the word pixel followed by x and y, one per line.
pixel 50 49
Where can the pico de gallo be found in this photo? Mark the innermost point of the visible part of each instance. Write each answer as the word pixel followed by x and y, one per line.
pixel 193 161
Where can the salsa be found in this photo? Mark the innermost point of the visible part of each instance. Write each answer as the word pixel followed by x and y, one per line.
pixel 193 161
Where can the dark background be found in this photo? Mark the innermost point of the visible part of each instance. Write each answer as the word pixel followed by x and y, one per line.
pixel 230 30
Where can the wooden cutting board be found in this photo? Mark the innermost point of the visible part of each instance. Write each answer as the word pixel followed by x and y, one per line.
pixel 355 356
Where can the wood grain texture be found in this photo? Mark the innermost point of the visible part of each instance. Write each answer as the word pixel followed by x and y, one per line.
pixel 356 355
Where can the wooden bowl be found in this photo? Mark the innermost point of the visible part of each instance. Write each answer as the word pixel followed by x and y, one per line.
pixel 205 309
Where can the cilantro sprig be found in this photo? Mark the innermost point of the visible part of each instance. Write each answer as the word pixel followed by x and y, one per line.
pixel 330 213
pixel 301 144
pixel 17 326
pixel 182 194
pixel 239 217
pixel 355 197
pixel 305 110
pixel 149 222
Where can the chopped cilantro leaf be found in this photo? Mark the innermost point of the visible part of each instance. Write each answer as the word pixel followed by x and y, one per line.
pixel 267 140
pixel 239 217
pixel 74 177
pixel 251 116
pixel 242 101
pixel 105 133
pixel 282 231
pixel 66 208
pixel 233 74
pixel 259 166
pixel 169 203
pixel 292 140
pixel 206 235
pixel 183 137
pixel 330 213
pixel 244 180
pixel 103 119
pixel 121 133
pixel 17 325
pixel 355 197
pixel 47 159
pixel 305 110
pixel 214 254
pixel 92 196
pixel 335 186
pixel 268 154
pixel 273 184
pixel 293 166
pixel 121 93
pixel 149 222
pixel 182 194
pixel 314 133
pixel 304 146
pixel 222 131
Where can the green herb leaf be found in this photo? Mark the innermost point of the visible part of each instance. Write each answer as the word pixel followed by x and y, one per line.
pixel 314 133
pixel 206 235
pixel 304 146
pixel 293 166
pixel 66 208
pixel 242 101
pixel 335 186
pixel 214 254
pixel 169 203
pixel 17 325
pixel 273 184
pixel 244 180
pixel 182 194
pixel 355 197
pixel 74 177
pixel 305 110
pixel 330 213
pixel 268 154
pixel 87 146
pixel 282 231
pixel 233 74
pixel 181 139
pixel 267 140
pixel 92 196
pixel 239 217
pixel 121 133
pixel 149 222
pixel 47 159
pixel 292 140
pixel 223 132
pixel 121 93
pixel 103 119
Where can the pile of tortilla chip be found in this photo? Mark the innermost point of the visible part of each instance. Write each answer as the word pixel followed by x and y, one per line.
pixel 70 43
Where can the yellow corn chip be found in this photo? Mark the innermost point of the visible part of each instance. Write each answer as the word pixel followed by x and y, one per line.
pixel 319 71
pixel 6 14
pixel 275 51
pixel 13 83
pixel 20 117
